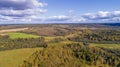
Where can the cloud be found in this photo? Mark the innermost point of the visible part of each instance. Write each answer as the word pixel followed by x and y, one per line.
pixel 29 11
pixel 50 19
pixel 21 13
pixel 58 18
pixel 20 10
pixel 105 16
pixel 20 4
pixel 36 19
pixel 99 15
pixel 81 19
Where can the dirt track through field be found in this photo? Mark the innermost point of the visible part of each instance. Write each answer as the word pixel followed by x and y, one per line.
pixel 13 30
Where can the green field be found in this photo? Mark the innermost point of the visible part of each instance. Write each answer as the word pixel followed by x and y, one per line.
pixel 13 58
pixel 106 45
pixel 21 35
pixel 48 38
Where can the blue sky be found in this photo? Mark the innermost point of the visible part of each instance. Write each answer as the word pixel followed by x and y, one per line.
pixel 59 11
pixel 81 6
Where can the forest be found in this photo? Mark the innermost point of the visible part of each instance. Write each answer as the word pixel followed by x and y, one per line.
pixel 73 55
pixel 101 36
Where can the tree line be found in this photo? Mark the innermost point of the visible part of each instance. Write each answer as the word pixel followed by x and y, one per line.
pixel 102 36
pixel 8 44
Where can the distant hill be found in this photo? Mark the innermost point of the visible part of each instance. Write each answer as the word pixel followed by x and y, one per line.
pixel 112 24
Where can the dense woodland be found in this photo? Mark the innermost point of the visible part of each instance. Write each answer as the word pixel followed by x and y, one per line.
pixel 7 44
pixel 95 36
pixel 73 55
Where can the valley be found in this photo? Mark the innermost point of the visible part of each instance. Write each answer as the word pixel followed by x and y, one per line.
pixel 56 45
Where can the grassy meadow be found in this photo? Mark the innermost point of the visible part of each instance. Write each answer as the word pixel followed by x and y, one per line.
pixel 111 46
pixel 13 58
pixel 15 35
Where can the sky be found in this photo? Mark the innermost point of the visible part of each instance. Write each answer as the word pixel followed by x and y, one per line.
pixel 59 11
